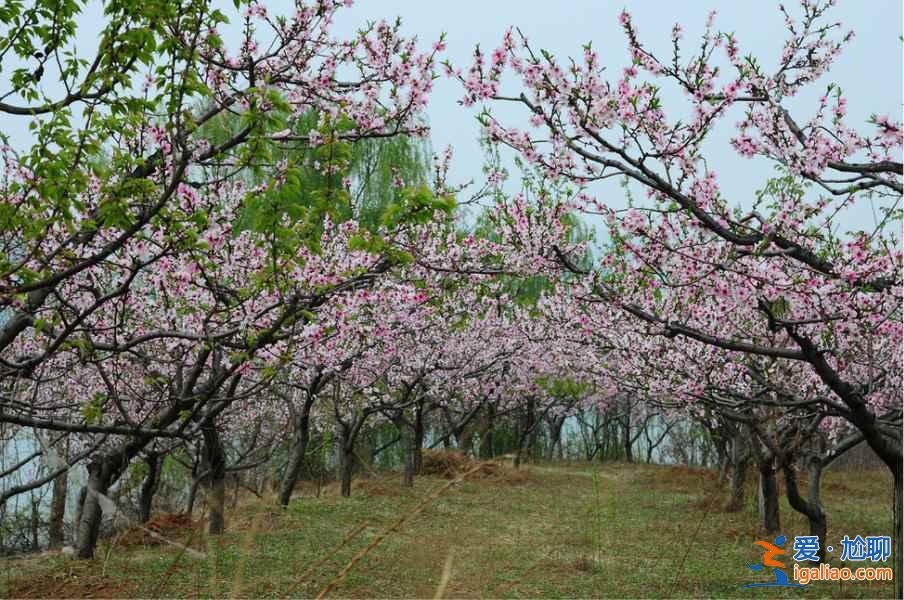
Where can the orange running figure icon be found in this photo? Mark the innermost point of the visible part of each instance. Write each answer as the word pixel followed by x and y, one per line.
pixel 771 550
pixel 780 578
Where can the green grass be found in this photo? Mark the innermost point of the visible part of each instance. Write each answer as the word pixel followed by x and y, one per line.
pixel 589 531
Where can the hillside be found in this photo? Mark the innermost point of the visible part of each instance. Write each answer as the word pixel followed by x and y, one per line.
pixel 615 530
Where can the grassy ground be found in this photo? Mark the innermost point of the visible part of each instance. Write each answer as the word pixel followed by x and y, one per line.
pixel 611 531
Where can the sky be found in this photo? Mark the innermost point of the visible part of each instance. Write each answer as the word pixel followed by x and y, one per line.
pixel 869 71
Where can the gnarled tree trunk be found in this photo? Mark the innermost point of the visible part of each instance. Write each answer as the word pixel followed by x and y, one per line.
pixel 58 510
pixel 79 506
pixel 296 456
pixel 101 473
pixel 811 507
pixel 419 432
pixel 736 481
pixel 346 460
pixel 149 486
pixel 347 469
pixel 296 464
pixel 737 473
pixel 768 497
pixel 410 456
pixel 485 429
pixel 213 478
pixel 301 436
pixel 527 425
pixel 627 442
pixel 555 438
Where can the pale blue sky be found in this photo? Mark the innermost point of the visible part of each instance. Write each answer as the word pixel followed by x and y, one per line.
pixel 870 70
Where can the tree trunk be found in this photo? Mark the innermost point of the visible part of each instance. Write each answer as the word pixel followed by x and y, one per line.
pixel 810 508
pixel 215 493
pixel 532 446
pixel 213 478
pixel 35 522
pixel 555 434
pixel 462 439
pixel 524 436
pixel 626 439
pixel 149 487
pixel 58 510
pixel 486 434
pixel 236 486
pixel 296 459
pixel 486 444
pixel 561 444
pixel 737 479
pixel 192 495
pixel 345 449
pixel 100 475
pixel 724 468
pixel 419 432
pixel 79 506
pixel 818 526
pixel 410 458
pixel 737 467
pixel 768 498
pixel 347 467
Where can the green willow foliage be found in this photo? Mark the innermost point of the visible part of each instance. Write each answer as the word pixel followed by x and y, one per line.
pixel 378 165
pixel 378 181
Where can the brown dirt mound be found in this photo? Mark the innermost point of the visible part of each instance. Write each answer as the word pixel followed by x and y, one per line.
pixel 452 463
pixel 496 472
pixel 168 525
pixel 490 469
pixel 445 463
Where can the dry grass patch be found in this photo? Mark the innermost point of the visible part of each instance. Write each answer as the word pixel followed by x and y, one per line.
pixel 172 526
pixel 614 530
pixel 445 463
